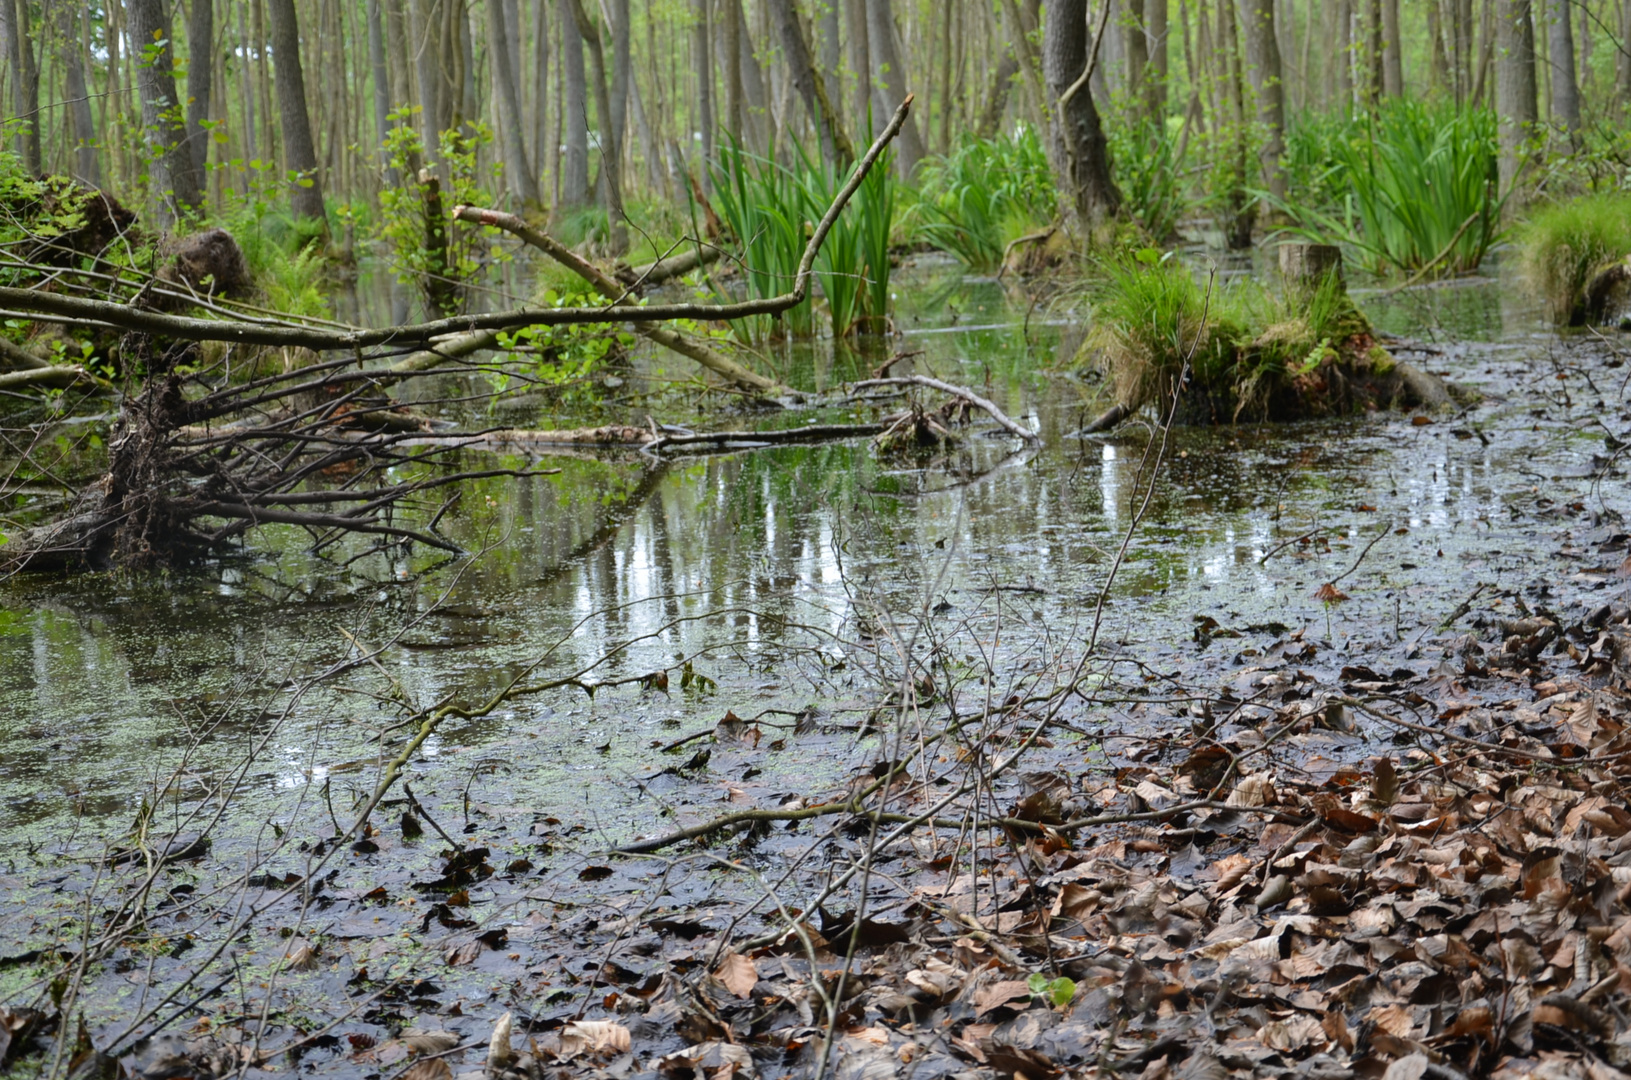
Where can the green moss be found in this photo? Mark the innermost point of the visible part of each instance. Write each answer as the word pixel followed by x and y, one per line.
pixel 1566 243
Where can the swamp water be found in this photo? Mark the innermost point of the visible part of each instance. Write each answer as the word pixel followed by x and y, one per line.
pixel 777 579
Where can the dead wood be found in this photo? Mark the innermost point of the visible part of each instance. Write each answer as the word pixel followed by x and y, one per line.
pixel 603 283
pixel 1106 420
pixel 963 392
pixel 652 274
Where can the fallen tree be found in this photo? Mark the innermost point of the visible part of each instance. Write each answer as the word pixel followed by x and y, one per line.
pixel 199 454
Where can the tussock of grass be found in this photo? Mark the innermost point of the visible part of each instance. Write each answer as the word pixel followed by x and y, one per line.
pixel 1250 355
pixel 1566 244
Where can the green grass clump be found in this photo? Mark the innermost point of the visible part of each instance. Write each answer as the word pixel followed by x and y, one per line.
pixel 1411 187
pixel 1565 244
pixel 1151 317
pixel 771 208
pixel 982 195
pixel 286 257
pixel 1248 353
pixel 1147 170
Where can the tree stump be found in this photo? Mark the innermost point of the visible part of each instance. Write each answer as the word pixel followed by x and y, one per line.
pixel 1304 266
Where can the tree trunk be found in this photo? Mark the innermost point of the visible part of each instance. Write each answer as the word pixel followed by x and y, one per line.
pixel 996 99
pixel 860 63
pixel 1155 87
pixel 890 82
pixel 518 174
pixel 1515 103
pixel 622 73
pixel 540 92
pixel 86 167
pixel 1560 47
pixel 1374 66
pixel 832 59
pixel 200 72
pixel 1081 153
pixel 1241 207
pixel 427 72
pixel 1268 83
pixel 835 144
pixel 171 176
pixel 1622 60
pixel 27 96
pixel 731 45
pixel 611 153
pixel 1392 51
pixel 764 124
pixel 575 112
pixel 1136 51
pixel 290 82
pixel 379 72
pixel 1345 56
pixel 702 65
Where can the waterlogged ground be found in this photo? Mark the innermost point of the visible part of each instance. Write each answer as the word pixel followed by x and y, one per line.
pixel 776 586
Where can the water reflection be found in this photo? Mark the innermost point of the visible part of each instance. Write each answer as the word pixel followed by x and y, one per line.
pixel 733 560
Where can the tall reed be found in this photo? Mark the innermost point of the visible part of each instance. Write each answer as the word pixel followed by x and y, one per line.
pixel 1410 188
pixel 983 194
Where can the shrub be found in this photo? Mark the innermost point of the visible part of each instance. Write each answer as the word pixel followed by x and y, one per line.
pixel 1145 158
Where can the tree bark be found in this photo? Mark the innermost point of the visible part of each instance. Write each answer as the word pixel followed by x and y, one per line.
pixel 27 96
pixel 289 80
pixel 1343 91
pixel 1565 84
pixel 518 174
pixel 835 144
pixel 703 61
pixel 171 175
pixel 1392 51
pixel 1374 66
pixel 622 74
pixel 860 63
pixel 575 112
pixel 1081 152
pixel 611 153
pixel 200 85
pixel 996 99
pixel 831 55
pixel 427 72
pixel 1268 82
pixel 1241 207
pixel 1515 102
pixel 87 168
pixel 1622 60
pixel 890 82
pixel 731 44
pixel 753 79
pixel 1136 51
pixel 1155 86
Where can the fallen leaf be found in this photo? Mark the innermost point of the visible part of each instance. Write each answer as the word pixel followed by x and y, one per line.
pixel 738 973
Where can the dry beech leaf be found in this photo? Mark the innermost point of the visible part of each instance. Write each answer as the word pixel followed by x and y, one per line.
pixel 1232 870
pixel 991 995
pixel 738 973
pixel 434 1069
pixel 594 1037
pixel 300 956
pixel 1254 790
pixel 429 1042
pixel 876 1036
pixel 499 1051
pixel 1410 1067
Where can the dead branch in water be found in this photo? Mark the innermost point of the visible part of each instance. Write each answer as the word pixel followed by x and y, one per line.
pixel 963 392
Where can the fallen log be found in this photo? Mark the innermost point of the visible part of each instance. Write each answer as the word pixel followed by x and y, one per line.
pixel 667 269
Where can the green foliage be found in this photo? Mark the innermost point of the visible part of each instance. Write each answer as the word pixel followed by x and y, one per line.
pixel 1056 992
pixel 1146 163
pixel 565 360
pixel 1151 317
pixel 772 207
pixel 982 195
pixel 285 256
pixel 1566 243
pixel 1400 188
pixel 414 214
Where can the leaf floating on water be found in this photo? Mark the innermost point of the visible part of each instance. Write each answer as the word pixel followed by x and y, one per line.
pixel 434 1069
pixel 594 873
pixel 594 1037
pixel 429 1042
pixel 1330 594
pixel 738 973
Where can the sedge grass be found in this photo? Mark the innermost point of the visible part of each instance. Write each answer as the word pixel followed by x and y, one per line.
pixel 1565 244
